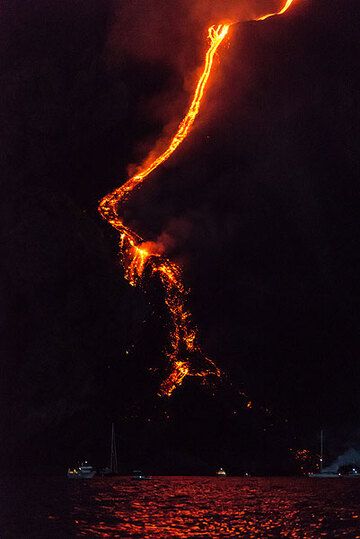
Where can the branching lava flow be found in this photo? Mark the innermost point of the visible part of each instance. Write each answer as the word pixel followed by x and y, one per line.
pixel 138 254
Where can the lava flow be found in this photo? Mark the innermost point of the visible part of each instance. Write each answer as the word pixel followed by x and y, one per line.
pixel 138 255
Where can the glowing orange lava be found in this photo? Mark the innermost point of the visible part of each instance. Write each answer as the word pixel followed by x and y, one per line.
pixel 138 255
pixel 268 15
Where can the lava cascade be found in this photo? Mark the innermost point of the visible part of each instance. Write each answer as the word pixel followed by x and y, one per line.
pixel 139 255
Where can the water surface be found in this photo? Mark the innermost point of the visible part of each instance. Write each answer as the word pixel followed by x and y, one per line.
pixel 180 507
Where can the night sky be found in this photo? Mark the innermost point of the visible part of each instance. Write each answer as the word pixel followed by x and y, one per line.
pixel 259 206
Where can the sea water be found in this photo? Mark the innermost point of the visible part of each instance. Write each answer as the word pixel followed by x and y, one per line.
pixel 180 507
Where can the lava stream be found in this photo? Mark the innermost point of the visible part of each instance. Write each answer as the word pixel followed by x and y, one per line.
pixel 138 255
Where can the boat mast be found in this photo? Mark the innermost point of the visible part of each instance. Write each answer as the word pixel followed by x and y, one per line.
pixel 321 449
pixel 113 452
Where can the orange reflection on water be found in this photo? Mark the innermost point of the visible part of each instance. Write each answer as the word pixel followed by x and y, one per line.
pixel 203 507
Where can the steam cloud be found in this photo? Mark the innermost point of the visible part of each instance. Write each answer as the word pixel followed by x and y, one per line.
pixel 351 456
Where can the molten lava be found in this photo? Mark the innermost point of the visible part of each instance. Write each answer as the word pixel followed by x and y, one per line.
pixel 138 255
pixel 268 15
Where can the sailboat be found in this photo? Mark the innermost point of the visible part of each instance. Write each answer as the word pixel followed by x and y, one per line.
pixel 113 452
pixel 337 468
pixel 113 468
pixel 322 474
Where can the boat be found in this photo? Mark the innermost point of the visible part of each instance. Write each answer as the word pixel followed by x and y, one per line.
pixel 334 470
pixel 221 472
pixel 112 470
pixel 84 471
pixel 138 475
pixel 323 474
pixel 352 473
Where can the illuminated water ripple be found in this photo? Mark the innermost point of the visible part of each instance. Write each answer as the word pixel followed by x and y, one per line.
pixel 180 507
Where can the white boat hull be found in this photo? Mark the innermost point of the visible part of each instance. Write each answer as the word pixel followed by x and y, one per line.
pixel 324 475
pixel 81 475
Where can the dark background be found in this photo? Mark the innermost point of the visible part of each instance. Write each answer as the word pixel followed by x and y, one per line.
pixel 260 206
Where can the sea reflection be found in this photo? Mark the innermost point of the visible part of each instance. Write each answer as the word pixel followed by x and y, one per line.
pixel 184 507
